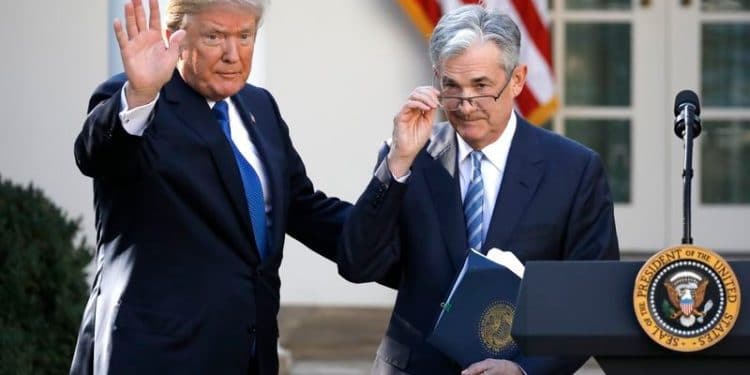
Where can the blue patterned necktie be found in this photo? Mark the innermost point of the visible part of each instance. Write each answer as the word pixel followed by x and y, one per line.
pixel 474 202
pixel 250 182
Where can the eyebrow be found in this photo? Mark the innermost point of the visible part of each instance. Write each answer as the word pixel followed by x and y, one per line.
pixel 474 81
pixel 482 79
pixel 218 28
pixel 225 31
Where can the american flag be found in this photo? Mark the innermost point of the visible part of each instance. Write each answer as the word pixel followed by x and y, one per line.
pixel 538 100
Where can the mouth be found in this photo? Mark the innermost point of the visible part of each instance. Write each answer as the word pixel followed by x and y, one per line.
pixel 468 119
pixel 228 74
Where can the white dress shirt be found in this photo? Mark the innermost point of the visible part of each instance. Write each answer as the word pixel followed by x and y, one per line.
pixel 135 122
pixel 493 168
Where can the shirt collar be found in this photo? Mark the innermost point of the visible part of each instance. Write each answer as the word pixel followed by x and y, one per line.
pixel 495 152
pixel 211 103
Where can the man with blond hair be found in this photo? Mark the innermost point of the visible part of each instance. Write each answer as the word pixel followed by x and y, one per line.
pixel 196 182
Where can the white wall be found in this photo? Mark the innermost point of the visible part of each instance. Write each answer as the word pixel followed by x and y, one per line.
pixel 54 55
pixel 338 68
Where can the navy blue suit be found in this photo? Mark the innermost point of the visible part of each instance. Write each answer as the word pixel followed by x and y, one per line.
pixel 554 203
pixel 180 287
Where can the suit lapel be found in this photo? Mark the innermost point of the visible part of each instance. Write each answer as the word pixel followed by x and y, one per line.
pixel 194 112
pixel 446 198
pixel 442 181
pixel 523 172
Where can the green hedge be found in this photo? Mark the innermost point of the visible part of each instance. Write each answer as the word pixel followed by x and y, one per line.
pixel 43 286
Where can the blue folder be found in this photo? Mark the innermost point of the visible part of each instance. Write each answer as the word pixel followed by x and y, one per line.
pixel 477 315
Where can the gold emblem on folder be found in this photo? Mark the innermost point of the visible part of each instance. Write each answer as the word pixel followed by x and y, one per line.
pixel 494 328
pixel 686 298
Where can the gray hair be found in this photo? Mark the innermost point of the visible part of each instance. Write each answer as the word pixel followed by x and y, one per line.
pixel 178 9
pixel 458 29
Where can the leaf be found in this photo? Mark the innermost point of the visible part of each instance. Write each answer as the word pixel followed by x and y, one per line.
pixel 666 308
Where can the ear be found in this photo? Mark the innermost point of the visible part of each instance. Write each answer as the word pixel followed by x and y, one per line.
pixel 518 79
pixel 168 34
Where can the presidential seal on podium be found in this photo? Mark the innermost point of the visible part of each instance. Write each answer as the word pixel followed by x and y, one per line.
pixel 686 298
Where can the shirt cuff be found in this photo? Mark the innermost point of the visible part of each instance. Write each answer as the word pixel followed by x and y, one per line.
pixel 403 178
pixel 383 173
pixel 135 120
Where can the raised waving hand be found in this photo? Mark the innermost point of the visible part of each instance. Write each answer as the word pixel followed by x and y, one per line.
pixel 147 60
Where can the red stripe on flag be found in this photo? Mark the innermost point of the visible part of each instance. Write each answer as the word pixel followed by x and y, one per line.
pixel 432 9
pixel 526 101
pixel 535 27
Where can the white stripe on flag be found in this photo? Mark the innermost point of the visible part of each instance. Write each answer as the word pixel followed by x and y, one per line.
pixel 541 9
pixel 539 78
pixel 448 5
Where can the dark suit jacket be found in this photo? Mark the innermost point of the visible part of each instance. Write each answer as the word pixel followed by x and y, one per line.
pixel 554 203
pixel 180 288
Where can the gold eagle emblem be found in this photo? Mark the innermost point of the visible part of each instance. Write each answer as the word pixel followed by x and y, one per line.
pixel 688 301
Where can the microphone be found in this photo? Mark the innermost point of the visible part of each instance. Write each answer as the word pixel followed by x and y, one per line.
pixel 687 126
pixel 687 109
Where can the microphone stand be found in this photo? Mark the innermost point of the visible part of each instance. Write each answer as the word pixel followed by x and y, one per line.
pixel 687 177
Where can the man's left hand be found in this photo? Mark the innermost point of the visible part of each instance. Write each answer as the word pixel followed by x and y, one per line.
pixel 493 367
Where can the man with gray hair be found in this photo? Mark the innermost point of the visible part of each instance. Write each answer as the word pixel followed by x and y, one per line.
pixel 484 179
pixel 196 182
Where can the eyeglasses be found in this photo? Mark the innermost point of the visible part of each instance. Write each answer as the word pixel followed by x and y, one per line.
pixel 453 103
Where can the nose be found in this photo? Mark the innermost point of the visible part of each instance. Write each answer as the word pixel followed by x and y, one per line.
pixel 231 50
pixel 466 106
